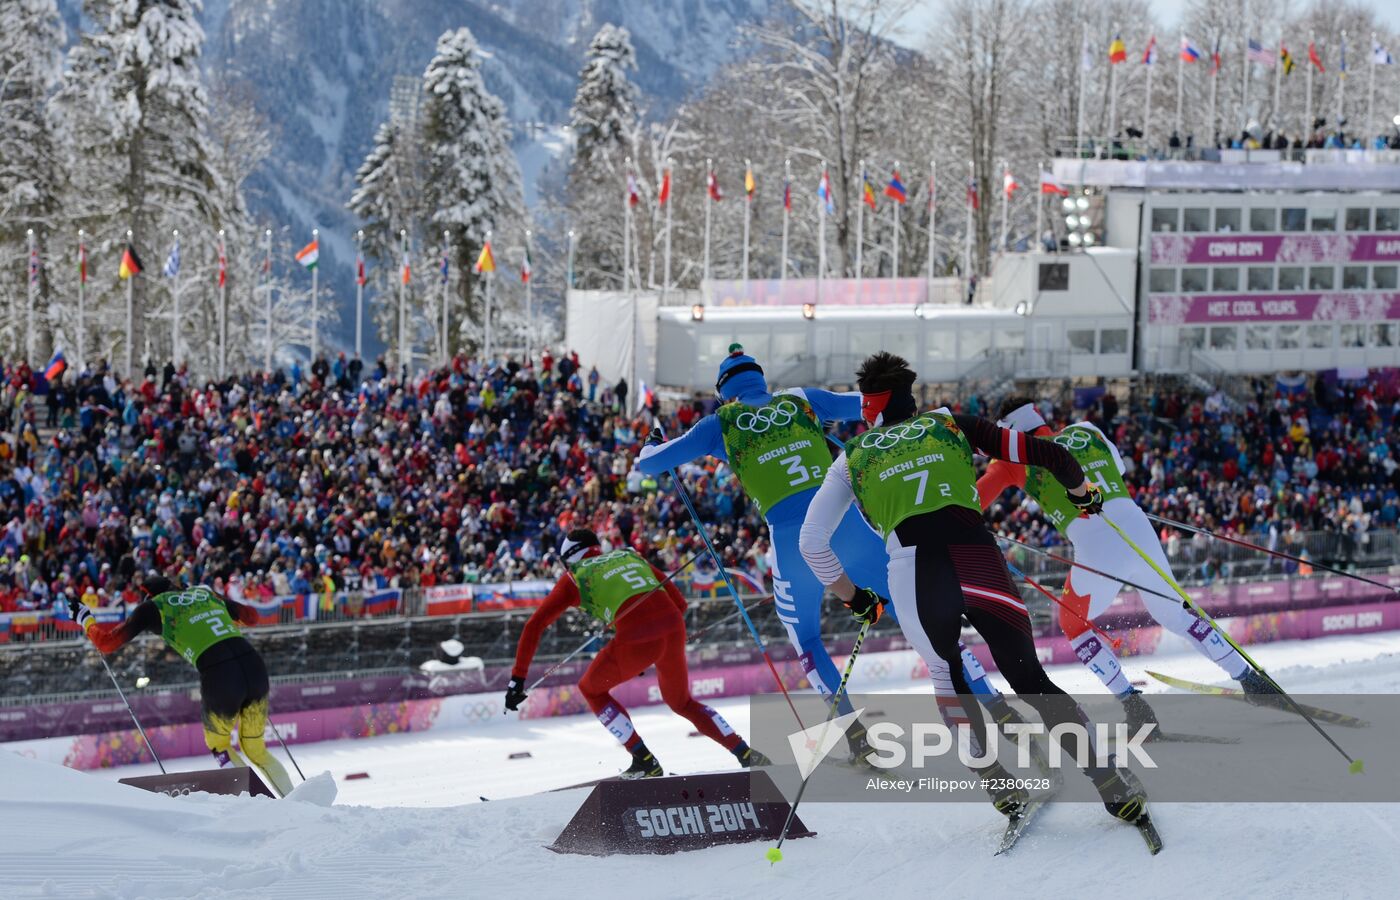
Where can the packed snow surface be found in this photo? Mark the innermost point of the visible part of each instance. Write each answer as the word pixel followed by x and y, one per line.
pixel 416 827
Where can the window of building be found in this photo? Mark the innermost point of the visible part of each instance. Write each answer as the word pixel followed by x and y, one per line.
pixel 975 342
pixel 1081 340
pixel 1321 278
pixel 1323 220
pixel 1259 337
pixel 1227 219
pixel 1192 337
pixel 1358 218
pixel 1054 276
pixel 864 341
pixel 1295 218
pixel 940 344
pixel 1353 278
pixel 1383 278
pixel 1164 219
pixel 1161 281
pixel 1290 278
pixel 1261 278
pixel 1225 279
pixel 789 345
pixel 1113 340
pixel 905 341
pixel 1383 334
pixel 1195 219
pixel 1193 280
pixel 1224 337
pixel 1263 219
pixel 1011 339
pixel 1319 337
pixel 1388 219
pixel 1353 336
pixel 1289 336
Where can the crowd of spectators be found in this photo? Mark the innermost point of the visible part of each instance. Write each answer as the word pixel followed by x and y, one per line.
pixel 343 477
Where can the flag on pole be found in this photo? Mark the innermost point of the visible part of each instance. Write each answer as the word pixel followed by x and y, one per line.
pixel 525 267
pixel 1149 56
pixel 1008 183
pixel 131 263
pixel 34 265
pixel 895 189
pixel 712 186
pixel 82 262
pixel 749 184
pixel 634 196
pixel 172 261
pixel 1189 53
pixel 1215 56
pixel 972 200
pixel 824 194
pixel 867 191
pixel 407 273
pixel 1379 55
pixel 663 194
pixel 1314 58
pixel 787 194
pixel 1117 50
pixel 223 265
pixel 309 255
pixel 486 262
pixel 1285 59
pixel 1048 185
pixel 1259 54
pixel 444 267
pixel 359 268
pixel 56 367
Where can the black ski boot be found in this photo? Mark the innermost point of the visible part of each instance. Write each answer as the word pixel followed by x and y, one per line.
pixel 1261 691
pixel 861 751
pixel 1139 713
pixel 644 765
pixel 1009 800
pixel 1123 795
pixel 749 757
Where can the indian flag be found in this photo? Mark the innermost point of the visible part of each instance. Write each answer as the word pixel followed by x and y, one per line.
pixel 309 255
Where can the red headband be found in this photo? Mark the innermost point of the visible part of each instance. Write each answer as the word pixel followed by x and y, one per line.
pixel 872 406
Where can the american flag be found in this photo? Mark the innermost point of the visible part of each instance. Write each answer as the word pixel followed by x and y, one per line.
pixel 1260 54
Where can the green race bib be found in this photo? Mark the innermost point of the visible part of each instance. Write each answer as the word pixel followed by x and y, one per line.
pixel 608 581
pixel 1093 454
pixel 918 466
pixel 775 450
pixel 193 620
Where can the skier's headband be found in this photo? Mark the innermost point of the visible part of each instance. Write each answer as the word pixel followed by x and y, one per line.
pixel 1023 418
pixel 573 551
pixel 737 369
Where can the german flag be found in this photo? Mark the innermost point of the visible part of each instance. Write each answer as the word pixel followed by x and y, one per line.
pixel 131 263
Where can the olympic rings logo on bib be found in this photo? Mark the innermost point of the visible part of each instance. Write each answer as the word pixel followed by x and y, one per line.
pixel 1075 439
pixel 885 438
pixel 760 420
pixel 185 598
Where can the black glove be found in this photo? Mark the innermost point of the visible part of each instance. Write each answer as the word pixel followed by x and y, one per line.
pixel 1090 503
pixel 866 606
pixel 79 612
pixel 515 694
pixel 656 438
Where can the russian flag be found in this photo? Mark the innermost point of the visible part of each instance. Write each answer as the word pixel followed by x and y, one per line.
pixel 381 603
pixel 1189 53
pixel 895 189
pixel 57 366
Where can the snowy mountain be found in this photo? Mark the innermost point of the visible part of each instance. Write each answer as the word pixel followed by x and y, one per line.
pixel 321 72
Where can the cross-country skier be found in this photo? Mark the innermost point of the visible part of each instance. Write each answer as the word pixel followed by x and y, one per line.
pixel 1088 595
pixel 912 476
pixel 646 611
pixel 201 626
pixel 776 446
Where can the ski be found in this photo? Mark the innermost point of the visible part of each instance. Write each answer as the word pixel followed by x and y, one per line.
pixel 1182 737
pixel 1150 836
pixel 1317 712
pixel 1017 826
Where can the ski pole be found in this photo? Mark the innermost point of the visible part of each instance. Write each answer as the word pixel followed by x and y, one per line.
pixel 285 749
pixel 1116 642
pixel 775 854
pixel 733 592
pixel 122 694
pixel 1276 553
pixel 1355 765
pixel 596 634
pixel 1079 565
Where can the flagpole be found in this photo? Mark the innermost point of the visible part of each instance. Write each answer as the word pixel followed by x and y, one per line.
pixel 1244 90
pixel 1005 204
pixel 667 181
pixel 1147 114
pixel 359 294
pixel 223 308
pixel 967 250
pixel 446 350
pixel 787 213
pixel 267 289
pixel 709 202
pixel 1180 82
pixel 1278 82
pixel 1037 246
pixel 569 275
pixel 529 305
pixel 748 213
pixel 1308 115
pixel 130 321
pixel 821 233
pixel 315 282
pixel 627 227
pixel 82 301
pixel 33 279
pixel 894 217
pixel 1342 88
pixel 490 283
pixel 1368 127
pixel 932 219
pixel 403 301
pixel 1214 83
pixel 860 226
pixel 1083 86
pixel 1112 99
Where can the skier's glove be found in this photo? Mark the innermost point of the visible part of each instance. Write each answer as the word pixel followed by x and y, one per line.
pixel 656 438
pixel 515 694
pixel 866 606
pixel 79 612
pixel 1090 503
